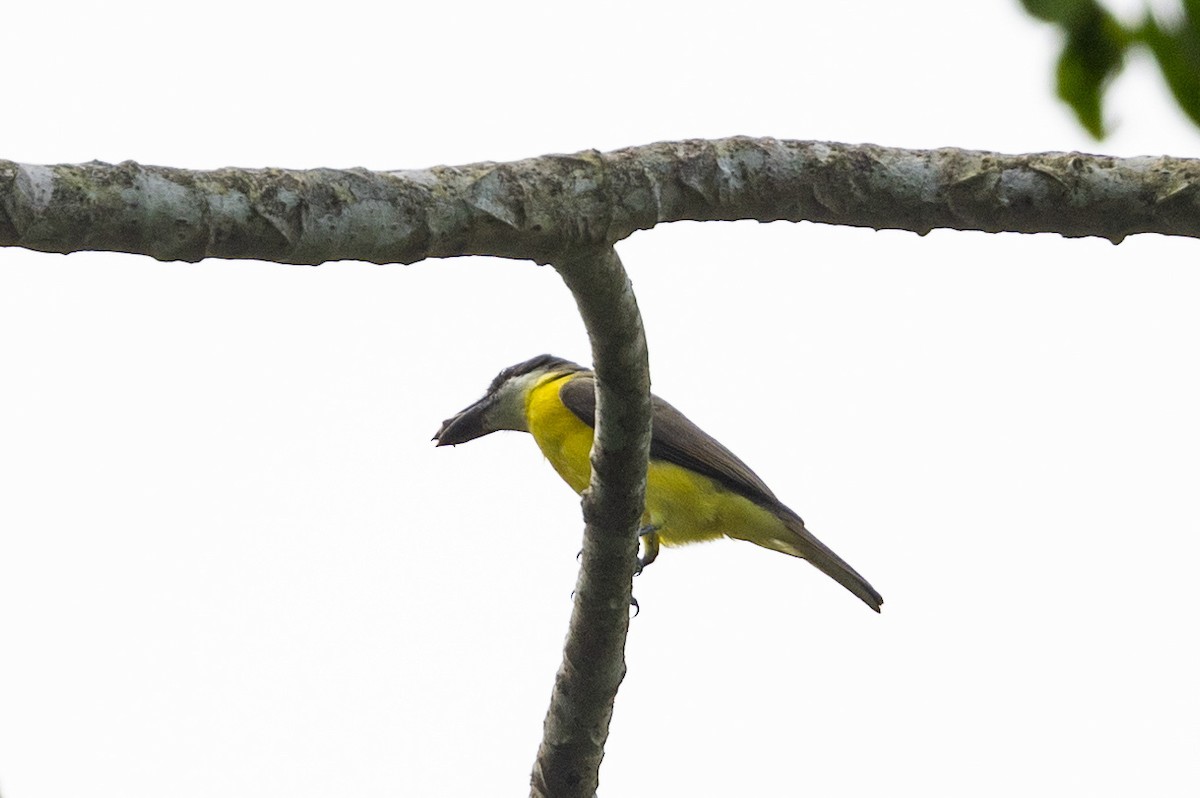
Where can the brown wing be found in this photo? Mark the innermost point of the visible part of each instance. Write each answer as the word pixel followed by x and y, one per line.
pixel 675 439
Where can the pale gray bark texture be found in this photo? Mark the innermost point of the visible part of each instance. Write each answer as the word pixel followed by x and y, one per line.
pixel 543 208
pixel 585 689
pixel 568 210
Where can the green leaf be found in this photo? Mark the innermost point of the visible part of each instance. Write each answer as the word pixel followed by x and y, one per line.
pixel 1064 12
pixel 1093 54
pixel 1177 50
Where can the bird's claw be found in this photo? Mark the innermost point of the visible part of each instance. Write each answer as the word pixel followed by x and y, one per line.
pixel 649 537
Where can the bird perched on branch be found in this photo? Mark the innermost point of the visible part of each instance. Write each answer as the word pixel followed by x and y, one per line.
pixel 696 489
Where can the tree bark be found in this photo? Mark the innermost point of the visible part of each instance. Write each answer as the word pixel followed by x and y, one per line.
pixel 568 210
pixel 544 208
pixel 585 689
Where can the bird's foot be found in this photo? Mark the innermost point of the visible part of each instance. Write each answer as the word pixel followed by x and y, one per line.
pixel 650 543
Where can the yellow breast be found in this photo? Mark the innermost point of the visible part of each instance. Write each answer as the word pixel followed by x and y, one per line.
pixel 563 438
pixel 685 506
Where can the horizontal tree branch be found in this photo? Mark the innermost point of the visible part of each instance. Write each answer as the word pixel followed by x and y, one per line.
pixel 543 208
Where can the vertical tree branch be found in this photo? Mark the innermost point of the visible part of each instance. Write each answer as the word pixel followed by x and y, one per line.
pixel 581 705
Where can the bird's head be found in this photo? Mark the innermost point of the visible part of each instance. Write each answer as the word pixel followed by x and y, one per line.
pixel 503 406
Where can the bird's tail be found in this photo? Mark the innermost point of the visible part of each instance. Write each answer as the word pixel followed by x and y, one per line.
pixel 802 543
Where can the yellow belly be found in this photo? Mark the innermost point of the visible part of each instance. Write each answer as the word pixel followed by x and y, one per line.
pixel 685 506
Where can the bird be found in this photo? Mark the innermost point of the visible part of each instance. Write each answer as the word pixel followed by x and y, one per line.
pixel 696 489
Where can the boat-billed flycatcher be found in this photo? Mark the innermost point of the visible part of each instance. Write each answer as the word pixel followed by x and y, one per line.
pixel 696 489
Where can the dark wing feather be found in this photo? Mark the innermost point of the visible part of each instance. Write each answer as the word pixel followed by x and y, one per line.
pixel 675 439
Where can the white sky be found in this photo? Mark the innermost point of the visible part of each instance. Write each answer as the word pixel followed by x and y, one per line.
pixel 232 563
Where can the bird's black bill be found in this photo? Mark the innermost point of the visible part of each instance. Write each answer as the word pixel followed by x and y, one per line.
pixel 467 425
